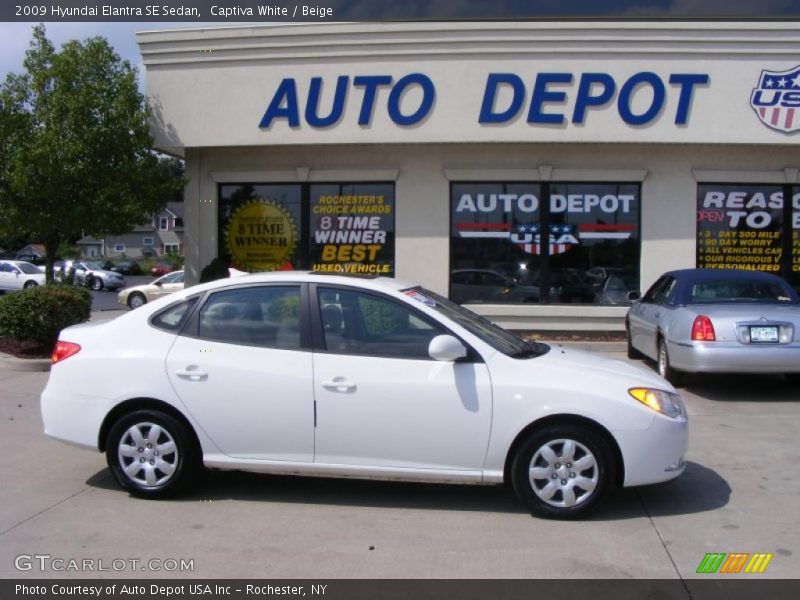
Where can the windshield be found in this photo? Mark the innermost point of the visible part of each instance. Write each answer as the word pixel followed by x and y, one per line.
pixel 28 268
pixel 93 266
pixel 497 337
pixel 742 290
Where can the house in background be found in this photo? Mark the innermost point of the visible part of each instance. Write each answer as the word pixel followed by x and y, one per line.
pixel 31 252
pixel 162 235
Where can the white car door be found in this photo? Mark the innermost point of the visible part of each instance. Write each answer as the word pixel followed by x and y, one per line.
pixel 382 401
pixel 244 374
pixel 9 277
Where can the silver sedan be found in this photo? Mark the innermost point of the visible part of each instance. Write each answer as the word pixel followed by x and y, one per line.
pixel 717 321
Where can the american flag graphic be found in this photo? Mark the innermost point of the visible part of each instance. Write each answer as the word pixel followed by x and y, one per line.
pixel 527 236
pixel 775 90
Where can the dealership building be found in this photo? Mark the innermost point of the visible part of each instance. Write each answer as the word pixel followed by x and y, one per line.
pixel 538 171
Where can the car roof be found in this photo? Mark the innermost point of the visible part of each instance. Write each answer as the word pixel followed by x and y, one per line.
pixel 686 278
pixel 367 282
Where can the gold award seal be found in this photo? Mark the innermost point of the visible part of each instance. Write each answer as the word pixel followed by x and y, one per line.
pixel 261 235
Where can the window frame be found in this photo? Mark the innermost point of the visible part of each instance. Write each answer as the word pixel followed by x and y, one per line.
pixel 164 220
pixel 191 327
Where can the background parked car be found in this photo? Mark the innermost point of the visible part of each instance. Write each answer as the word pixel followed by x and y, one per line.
pixel 616 288
pixel 90 274
pixel 486 285
pixel 136 296
pixel 160 268
pixel 717 321
pixel 19 274
pixel 126 267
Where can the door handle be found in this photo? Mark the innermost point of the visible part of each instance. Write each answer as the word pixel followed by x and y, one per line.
pixel 340 384
pixel 192 374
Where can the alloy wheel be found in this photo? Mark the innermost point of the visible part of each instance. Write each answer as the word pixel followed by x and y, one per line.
pixel 563 473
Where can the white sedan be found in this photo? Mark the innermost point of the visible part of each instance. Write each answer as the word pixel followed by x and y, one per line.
pixel 329 375
pixel 140 295
pixel 18 274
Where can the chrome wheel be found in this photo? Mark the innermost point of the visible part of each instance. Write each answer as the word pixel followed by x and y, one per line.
pixel 136 300
pixel 563 473
pixel 148 455
pixel 97 284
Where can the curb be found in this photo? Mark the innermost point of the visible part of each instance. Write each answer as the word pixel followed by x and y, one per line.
pixel 30 365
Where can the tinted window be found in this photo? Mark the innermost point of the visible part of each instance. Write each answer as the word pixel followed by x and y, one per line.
pixel 253 316
pixel 739 291
pixel 370 325
pixel 173 317
pixel 28 268
pixel 651 293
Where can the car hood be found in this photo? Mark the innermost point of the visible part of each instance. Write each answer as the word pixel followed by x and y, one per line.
pixel 106 273
pixel 592 366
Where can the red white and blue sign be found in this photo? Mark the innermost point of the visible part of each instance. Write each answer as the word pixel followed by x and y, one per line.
pixel 776 100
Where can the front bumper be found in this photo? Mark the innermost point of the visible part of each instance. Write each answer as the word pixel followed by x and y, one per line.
pixel 733 357
pixel 655 454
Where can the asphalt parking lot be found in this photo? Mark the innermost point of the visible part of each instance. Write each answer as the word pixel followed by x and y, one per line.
pixel 739 494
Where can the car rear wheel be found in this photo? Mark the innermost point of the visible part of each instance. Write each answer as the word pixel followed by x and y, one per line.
pixel 563 471
pixel 30 284
pixel 96 284
pixel 151 454
pixel 136 299
pixel 664 367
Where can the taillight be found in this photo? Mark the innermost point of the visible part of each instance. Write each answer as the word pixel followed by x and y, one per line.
pixel 63 350
pixel 703 329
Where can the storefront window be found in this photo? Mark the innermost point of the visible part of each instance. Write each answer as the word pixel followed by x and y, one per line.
pixel 352 228
pixel 323 227
pixel 589 255
pixel 741 227
pixel 795 275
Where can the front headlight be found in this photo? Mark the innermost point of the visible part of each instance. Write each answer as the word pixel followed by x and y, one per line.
pixel 666 403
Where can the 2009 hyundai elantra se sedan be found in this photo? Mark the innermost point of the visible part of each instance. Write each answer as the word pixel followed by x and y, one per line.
pixel 314 374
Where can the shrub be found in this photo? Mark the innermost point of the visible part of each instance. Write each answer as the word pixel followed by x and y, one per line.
pixel 39 313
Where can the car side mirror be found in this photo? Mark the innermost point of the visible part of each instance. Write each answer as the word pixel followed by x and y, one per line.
pixel 634 296
pixel 158 283
pixel 446 348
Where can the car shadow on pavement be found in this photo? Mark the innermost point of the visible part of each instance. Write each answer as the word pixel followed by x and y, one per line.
pixel 743 388
pixel 699 489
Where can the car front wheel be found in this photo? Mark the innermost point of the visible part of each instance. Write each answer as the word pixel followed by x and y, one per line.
pixel 30 284
pixel 563 472
pixel 151 454
pixel 136 300
pixel 96 284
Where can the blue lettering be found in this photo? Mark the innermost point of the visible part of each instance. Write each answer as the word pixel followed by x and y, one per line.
pixel 791 99
pixel 759 101
pixel 585 98
pixel 370 83
pixel 487 106
pixel 687 83
pixel 312 104
pixel 541 95
pixel 624 101
pixel 287 91
pixel 428 95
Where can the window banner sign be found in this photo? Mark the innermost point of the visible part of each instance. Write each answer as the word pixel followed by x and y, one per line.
pixel 261 236
pixel 353 232
pixel 740 227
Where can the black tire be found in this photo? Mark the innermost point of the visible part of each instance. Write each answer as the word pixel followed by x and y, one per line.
pixel 136 299
pixel 531 490
pixel 664 366
pixel 633 353
pixel 96 284
pixel 793 378
pixel 30 284
pixel 184 461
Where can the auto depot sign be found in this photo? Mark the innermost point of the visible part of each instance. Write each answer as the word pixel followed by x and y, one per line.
pixel 548 98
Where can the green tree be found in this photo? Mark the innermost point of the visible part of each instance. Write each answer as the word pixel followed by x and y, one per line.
pixel 75 149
